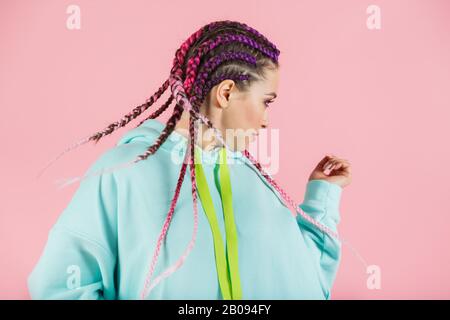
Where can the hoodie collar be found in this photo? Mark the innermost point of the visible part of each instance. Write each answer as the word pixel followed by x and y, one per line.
pixel 150 130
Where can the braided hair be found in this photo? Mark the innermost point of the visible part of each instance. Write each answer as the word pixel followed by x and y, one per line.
pixel 217 51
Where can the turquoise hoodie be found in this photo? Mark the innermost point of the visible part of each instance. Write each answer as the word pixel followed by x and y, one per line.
pixel 102 243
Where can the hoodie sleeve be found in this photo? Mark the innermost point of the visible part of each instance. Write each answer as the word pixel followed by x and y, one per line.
pixel 79 258
pixel 321 202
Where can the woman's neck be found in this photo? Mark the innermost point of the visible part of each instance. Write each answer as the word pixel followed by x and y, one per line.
pixel 205 143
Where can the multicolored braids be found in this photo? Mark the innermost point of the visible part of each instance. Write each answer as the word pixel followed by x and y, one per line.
pixel 217 51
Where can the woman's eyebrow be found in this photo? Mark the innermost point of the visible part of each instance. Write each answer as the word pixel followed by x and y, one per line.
pixel 272 94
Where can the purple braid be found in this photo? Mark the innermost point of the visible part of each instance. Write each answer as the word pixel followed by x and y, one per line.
pixel 182 52
pixel 194 61
pixel 216 80
pixel 111 128
pixel 158 112
pixel 209 56
pixel 170 126
pixel 255 33
pixel 189 153
pixel 164 230
pixel 218 51
pixel 287 198
pixel 130 116
pixel 215 61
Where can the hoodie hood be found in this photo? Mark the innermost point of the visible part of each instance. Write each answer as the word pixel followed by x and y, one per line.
pixel 150 130
pixel 146 132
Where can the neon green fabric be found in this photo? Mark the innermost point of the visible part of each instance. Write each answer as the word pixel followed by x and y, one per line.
pixel 227 265
pixel 280 256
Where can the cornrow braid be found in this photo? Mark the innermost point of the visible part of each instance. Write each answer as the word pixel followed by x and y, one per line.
pixel 238 26
pixel 183 50
pixel 170 126
pixel 218 51
pixel 164 230
pixel 215 61
pixel 194 61
pixel 112 127
pixel 182 99
pixel 132 115
pixel 218 79
pixel 261 37
pixel 286 197
pixel 148 286
pixel 289 202
pixel 190 83
pixel 158 112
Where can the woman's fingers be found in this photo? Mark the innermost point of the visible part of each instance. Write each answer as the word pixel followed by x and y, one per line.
pixel 326 159
pixel 336 163
pixel 330 160
pixel 323 161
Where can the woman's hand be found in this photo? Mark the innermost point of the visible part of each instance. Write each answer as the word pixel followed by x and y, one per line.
pixel 339 170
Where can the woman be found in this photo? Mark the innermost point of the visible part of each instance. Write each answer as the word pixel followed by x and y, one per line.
pixel 223 78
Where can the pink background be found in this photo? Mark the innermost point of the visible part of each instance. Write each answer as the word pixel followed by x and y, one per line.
pixel 379 98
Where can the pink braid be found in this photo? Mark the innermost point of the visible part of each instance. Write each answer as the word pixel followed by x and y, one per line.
pixel 122 122
pixel 164 231
pixel 189 153
pixel 288 199
pixel 193 62
pixel 182 52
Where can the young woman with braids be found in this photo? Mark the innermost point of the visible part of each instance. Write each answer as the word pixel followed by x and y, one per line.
pixel 138 231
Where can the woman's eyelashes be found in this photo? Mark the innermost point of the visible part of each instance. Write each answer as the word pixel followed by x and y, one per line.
pixel 267 102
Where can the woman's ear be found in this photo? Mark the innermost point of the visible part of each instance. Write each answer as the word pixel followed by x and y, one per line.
pixel 224 91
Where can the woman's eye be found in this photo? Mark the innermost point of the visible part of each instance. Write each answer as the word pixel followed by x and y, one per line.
pixel 268 102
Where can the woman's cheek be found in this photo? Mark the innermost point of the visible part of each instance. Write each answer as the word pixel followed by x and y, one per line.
pixel 253 116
